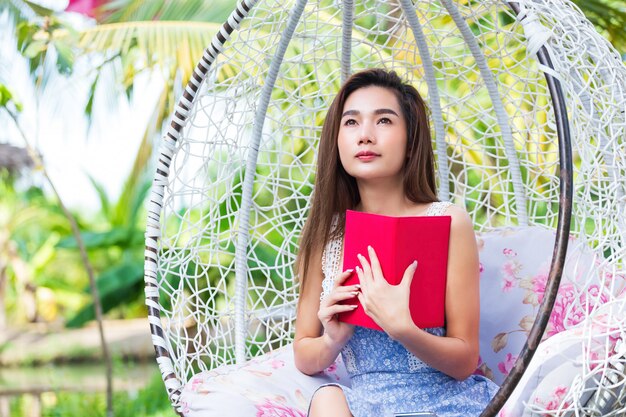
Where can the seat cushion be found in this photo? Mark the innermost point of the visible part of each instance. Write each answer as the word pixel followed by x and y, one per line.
pixel 514 269
pixel 267 386
pixel 566 368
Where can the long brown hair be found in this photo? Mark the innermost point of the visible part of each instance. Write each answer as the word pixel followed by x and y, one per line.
pixel 336 191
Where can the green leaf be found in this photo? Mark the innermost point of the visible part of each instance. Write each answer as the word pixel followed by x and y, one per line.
pixel 65 57
pixel 138 200
pixel 117 285
pixel 7 97
pixel 24 33
pixel 119 278
pixel 118 236
pixel 92 94
pixel 105 205
pixel 35 48
pixel 153 10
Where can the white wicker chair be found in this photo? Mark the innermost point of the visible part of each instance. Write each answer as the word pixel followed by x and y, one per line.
pixel 528 110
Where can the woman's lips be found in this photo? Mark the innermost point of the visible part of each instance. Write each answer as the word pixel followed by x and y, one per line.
pixel 366 155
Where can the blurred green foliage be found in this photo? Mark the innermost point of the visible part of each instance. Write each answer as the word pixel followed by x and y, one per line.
pixel 132 36
pixel 151 401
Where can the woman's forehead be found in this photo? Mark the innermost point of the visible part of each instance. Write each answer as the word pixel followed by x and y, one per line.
pixel 371 99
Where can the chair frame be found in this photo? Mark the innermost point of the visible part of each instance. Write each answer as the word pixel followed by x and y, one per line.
pixel 179 117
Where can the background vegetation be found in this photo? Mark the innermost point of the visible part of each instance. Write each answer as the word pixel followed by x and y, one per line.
pixel 42 278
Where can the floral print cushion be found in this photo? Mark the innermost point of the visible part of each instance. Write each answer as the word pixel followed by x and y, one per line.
pixel 567 367
pixel 514 266
pixel 545 381
pixel 266 386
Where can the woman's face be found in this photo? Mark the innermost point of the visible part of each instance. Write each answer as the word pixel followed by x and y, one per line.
pixel 372 135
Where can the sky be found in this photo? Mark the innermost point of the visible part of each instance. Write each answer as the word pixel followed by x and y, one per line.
pixel 53 120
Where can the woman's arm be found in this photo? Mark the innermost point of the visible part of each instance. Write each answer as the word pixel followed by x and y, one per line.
pixel 457 353
pixel 319 335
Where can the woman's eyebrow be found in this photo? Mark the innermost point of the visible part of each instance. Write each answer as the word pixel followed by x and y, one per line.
pixel 376 112
pixel 385 111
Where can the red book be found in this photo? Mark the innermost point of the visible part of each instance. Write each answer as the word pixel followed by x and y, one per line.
pixel 398 241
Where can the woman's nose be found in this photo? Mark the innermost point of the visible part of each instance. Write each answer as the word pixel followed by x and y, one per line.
pixel 366 133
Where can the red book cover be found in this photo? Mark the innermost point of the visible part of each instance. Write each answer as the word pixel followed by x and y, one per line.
pixel 398 241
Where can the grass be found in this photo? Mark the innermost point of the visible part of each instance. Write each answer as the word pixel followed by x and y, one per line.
pixel 150 401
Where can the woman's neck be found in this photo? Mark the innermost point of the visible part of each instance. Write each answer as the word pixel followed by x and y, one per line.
pixel 385 199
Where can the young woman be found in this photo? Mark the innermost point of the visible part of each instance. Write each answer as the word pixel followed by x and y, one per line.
pixel 376 156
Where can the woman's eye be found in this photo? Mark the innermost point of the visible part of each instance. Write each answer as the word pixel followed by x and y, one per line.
pixel 350 122
pixel 384 120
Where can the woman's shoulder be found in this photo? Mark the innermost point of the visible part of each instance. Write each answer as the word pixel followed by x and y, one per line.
pixel 461 219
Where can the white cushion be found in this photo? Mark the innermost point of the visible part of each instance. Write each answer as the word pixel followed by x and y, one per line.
pixel 266 386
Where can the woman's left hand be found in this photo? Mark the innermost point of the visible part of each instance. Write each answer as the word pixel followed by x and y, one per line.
pixel 386 304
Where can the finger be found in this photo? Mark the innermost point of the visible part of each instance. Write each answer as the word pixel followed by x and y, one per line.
pixel 336 297
pixel 346 288
pixel 376 269
pixel 409 273
pixel 365 283
pixel 339 279
pixel 340 308
pixel 361 298
pixel 367 270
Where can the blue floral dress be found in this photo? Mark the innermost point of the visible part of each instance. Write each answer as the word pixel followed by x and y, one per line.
pixel 387 379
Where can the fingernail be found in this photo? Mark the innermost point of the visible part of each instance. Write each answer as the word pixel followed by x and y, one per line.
pixel 357 286
pixel 354 293
pixel 359 256
pixel 349 270
pixel 369 247
pixel 354 306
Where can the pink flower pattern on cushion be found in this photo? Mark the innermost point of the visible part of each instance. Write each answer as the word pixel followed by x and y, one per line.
pixel 268 385
pixel 506 365
pixel 555 400
pixel 332 371
pixel 570 308
pixel 269 408
pixel 514 271
pixel 277 363
pixel 567 312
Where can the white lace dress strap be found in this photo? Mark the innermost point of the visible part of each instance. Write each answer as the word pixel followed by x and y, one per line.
pixel 330 262
pixel 438 208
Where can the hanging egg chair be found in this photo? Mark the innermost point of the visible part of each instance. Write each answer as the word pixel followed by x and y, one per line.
pixel 527 106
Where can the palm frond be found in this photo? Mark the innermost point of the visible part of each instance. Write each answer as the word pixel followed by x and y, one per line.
pixel 171 44
pixel 151 10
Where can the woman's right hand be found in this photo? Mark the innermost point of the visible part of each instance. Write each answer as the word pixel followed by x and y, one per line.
pixel 337 333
